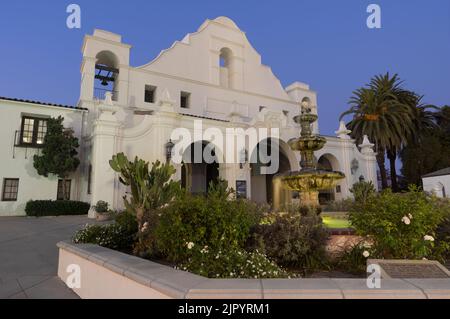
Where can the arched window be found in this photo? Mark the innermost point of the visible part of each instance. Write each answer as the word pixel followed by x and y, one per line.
pixel 225 67
pixel 106 72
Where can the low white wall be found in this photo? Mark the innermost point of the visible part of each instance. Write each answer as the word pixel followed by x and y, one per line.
pixel 99 282
pixel 106 273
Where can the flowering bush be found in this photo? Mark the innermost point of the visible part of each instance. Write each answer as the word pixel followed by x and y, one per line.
pixel 120 235
pixel 229 263
pixel 219 221
pixel 400 225
pixel 354 258
pixel 292 240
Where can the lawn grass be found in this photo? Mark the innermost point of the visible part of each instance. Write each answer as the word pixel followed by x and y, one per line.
pixel 336 223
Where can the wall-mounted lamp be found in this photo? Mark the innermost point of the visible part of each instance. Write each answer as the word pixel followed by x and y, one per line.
pixel 169 147
pixel 243 158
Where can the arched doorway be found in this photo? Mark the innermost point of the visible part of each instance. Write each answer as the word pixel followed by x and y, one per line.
pixel 266 188
pixel 329 162
pixel 196 177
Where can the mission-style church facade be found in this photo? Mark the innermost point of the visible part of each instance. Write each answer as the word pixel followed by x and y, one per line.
pixel 213 75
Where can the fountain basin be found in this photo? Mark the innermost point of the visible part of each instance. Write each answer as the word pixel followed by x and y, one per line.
pixel 311 180
pixel 307 143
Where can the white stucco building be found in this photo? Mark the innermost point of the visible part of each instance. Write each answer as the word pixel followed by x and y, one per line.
pixel 438 183
pixel 213 75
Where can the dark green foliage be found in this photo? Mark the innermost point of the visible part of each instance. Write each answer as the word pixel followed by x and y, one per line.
pixel 58 155
pixel 56 208
pixel 352 259
pixel 362 191
pixel 430 152
pixel 218 221
pixel 151 189
pixel 120 235
pixel 231 263
pixel 400 225
pixel 443 230
pixel 292 240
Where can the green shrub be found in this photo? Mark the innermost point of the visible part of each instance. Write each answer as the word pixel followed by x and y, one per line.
pixel 218 221
pixel 120 235
pixel 443 230
pixel 150 190
pixel 353 259
pixel 363 191
pixel 400 225
pixel 230 263
pixel 56 208
pixel 292 240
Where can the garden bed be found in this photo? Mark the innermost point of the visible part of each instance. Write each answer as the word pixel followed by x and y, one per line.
pixel 105 273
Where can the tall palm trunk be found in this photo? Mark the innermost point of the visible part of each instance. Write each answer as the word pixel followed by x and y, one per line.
pixel 392 156
pixel 382 167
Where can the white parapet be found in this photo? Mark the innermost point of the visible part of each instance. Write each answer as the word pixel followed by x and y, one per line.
pixel 105 273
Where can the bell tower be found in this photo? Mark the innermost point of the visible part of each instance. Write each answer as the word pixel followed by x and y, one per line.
pixel 104 68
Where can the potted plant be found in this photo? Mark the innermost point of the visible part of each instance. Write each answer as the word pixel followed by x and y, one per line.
pixel 102 211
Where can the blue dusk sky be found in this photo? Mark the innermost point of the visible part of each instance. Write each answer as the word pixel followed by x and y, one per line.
pixel 323 43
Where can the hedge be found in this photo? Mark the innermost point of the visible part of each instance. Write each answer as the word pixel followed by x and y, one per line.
pixel 56 208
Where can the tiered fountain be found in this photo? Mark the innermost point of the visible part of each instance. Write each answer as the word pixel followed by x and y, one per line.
pixel 309 180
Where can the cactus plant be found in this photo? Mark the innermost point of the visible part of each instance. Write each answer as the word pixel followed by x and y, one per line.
pixel 150 189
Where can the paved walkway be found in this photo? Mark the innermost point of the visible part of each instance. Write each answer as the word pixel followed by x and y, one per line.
pixel 29 256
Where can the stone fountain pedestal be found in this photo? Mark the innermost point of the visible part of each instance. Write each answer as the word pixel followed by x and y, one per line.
pixel 309 180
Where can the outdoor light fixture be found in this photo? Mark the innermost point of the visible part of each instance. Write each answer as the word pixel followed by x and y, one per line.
pixel 169 147
pixel 243 158
pixel 361 179
pixel 354 166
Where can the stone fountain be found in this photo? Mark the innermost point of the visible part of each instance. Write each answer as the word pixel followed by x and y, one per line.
pixel 309 180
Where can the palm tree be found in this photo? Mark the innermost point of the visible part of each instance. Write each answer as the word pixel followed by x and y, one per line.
pixel 381 111
pixel 391 89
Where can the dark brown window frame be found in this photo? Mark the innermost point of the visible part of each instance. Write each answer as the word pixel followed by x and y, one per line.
pixel 58 194
pixel 35 131
pixel 187 96
pixel 152 89
pixel 4 188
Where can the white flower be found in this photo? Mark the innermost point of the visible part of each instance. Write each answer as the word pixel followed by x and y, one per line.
pixel 410 216
pixel 366 254
pixel 424 258
pixel 428 238
pixel 406 220
pixel 190 245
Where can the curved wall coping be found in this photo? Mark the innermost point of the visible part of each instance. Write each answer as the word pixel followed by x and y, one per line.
pixel 107 273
